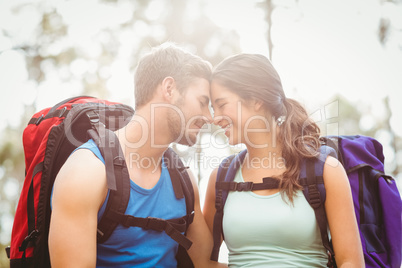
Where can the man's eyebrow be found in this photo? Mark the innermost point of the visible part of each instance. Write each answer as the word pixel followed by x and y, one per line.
pixel 205 99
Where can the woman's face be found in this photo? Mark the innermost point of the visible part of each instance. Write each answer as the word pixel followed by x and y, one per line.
pixel 237 117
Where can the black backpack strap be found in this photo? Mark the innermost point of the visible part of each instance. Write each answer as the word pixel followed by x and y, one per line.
pixel 173 228
pixel 118 179
pixel 182 185
pixel 118 182
pixel 314 191
pixel 267 183
pixel 226 173
pixel 55 111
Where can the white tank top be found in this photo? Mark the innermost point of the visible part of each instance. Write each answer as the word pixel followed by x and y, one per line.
pixel 264 231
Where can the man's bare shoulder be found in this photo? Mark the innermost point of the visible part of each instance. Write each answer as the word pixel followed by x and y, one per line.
pixel 78 193
pixel 82 178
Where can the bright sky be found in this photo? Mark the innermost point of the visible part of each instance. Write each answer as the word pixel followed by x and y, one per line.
pixel 320 48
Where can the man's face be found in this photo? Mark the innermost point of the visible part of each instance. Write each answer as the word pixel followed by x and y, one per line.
pixel 194 112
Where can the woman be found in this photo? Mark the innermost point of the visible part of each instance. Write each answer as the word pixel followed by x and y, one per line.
pixel 275 227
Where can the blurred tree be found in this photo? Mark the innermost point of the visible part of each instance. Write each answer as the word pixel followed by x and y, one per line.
pixel 12 166
pixel 385 25
pixel 268 7
pixel 342 117
pixel 348 119
pixel 386 30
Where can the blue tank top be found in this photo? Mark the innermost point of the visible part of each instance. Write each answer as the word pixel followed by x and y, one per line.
pixel 134 246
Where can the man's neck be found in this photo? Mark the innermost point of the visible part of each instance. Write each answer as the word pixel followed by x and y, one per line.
pixel 145 138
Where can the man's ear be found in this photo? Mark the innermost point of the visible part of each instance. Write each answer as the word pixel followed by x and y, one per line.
pixel 168 87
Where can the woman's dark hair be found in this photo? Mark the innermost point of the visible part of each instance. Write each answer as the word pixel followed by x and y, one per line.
pixel 252 77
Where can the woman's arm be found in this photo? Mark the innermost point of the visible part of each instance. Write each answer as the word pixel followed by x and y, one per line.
pixel 341 216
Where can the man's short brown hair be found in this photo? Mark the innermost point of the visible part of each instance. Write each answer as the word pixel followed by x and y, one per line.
pixel 163 61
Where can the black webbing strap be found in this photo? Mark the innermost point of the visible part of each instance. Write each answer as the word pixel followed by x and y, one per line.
pixel 378 174
pixel 181 182
pixel 176 171
pixel 119 198
pixel 183 188
pixel 217 226
pixel 374 173
pixel 118 182
pixel 30 201
pixel 32 232
pixel 218 218
pixel 268 183
pixel 55 113
pixel 117 177
pixel 316 202
pixel 188 190
pixel 106 142
pixel 8 251
pixel 173 228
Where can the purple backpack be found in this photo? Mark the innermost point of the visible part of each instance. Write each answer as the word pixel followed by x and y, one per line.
pixel 376 198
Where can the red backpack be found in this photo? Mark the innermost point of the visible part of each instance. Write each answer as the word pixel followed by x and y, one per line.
pixel 50 137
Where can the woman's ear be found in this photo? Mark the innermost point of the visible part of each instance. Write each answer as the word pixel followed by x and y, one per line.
pixel 258 105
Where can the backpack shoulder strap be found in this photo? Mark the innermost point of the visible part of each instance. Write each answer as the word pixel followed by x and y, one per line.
pixel 226 173
pixel 117 177
pixel 181 182
pixel 311 178
pixel 182 187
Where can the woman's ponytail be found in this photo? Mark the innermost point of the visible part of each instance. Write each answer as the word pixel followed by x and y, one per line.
pixel 299 136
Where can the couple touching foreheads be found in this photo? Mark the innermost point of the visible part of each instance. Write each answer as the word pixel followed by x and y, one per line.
pixel 174 92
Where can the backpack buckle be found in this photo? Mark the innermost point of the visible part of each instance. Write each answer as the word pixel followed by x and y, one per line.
pixel 218 200
pixel 39 119
pixel 62 111
pixel 331 260
pixel 244 186
pixel 93 117
pixel 155 224
pixel 8 252
pixel 314 196
pixel 33 235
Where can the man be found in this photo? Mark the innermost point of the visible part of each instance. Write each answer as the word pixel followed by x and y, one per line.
pixel 172 104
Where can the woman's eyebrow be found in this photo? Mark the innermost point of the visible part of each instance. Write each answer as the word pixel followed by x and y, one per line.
pixel 219 100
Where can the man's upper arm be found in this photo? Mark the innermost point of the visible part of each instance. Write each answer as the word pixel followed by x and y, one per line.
pixel 79 191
